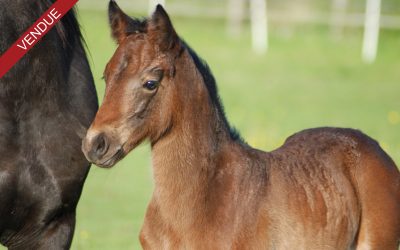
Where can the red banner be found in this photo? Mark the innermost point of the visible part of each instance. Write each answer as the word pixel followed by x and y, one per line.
pixel 34 34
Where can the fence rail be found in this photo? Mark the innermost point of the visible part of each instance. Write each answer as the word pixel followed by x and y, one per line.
pixel 337 15
pixel 182 8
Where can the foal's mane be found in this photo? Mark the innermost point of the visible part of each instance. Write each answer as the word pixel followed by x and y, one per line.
pixel 211 86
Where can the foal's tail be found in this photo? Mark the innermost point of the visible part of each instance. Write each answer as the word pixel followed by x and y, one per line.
pixel 378 184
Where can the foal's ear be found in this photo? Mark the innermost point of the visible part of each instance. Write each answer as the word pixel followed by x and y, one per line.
pixel 121 24
pixel 160 29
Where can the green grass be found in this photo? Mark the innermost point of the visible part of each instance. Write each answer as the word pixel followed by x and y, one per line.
pixel 305 80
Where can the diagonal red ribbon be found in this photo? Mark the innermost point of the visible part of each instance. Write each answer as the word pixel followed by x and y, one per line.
pixel 34 34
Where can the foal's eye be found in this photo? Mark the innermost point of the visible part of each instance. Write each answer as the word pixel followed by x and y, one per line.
pixel 151 85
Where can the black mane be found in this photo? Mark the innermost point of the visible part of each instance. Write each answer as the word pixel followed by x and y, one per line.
pixel 29 11
pixel 211 86
pixel 67 31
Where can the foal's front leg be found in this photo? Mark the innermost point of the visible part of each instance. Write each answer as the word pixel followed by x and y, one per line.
pixel 155 234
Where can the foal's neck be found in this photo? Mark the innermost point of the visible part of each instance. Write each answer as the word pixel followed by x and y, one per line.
pixel 185 160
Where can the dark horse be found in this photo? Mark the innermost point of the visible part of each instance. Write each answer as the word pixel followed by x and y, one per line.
pixel 47 101
pixel 325 188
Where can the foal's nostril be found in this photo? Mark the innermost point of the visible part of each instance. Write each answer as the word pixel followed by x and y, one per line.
pixel 99 147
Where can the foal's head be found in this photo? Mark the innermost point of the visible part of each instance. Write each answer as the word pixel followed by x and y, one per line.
pixel 138 101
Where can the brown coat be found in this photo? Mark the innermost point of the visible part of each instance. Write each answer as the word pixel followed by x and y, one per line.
pixel 325 188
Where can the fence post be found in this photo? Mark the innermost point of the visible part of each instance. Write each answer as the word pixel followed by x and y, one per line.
pixel 371 30
pixel 259 25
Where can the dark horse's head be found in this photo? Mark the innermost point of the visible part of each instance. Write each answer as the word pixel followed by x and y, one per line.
pixel 137 103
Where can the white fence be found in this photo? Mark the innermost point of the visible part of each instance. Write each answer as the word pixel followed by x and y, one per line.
pixel 336 13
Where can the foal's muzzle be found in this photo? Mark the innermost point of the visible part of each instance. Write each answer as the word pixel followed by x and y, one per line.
pixel 101 149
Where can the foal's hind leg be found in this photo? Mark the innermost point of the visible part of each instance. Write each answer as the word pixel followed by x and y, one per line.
pixel 378 183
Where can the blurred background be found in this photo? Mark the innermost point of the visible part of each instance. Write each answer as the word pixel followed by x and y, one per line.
pixel 281 66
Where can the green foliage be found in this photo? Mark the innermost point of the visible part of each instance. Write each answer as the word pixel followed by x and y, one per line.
pixel 305 80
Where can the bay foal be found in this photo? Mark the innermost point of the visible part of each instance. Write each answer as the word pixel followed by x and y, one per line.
pixel 325 188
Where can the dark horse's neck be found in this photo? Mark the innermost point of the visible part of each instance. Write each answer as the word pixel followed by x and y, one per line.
pixel 186 160
pixel 54 75
pixel 46 66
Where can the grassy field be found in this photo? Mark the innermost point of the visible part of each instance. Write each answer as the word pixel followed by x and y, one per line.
pixel 306 80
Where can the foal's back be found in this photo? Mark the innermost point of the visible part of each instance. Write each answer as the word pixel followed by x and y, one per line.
pixel 332 188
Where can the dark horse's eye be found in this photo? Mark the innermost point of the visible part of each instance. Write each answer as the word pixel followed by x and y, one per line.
pixel 151 85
